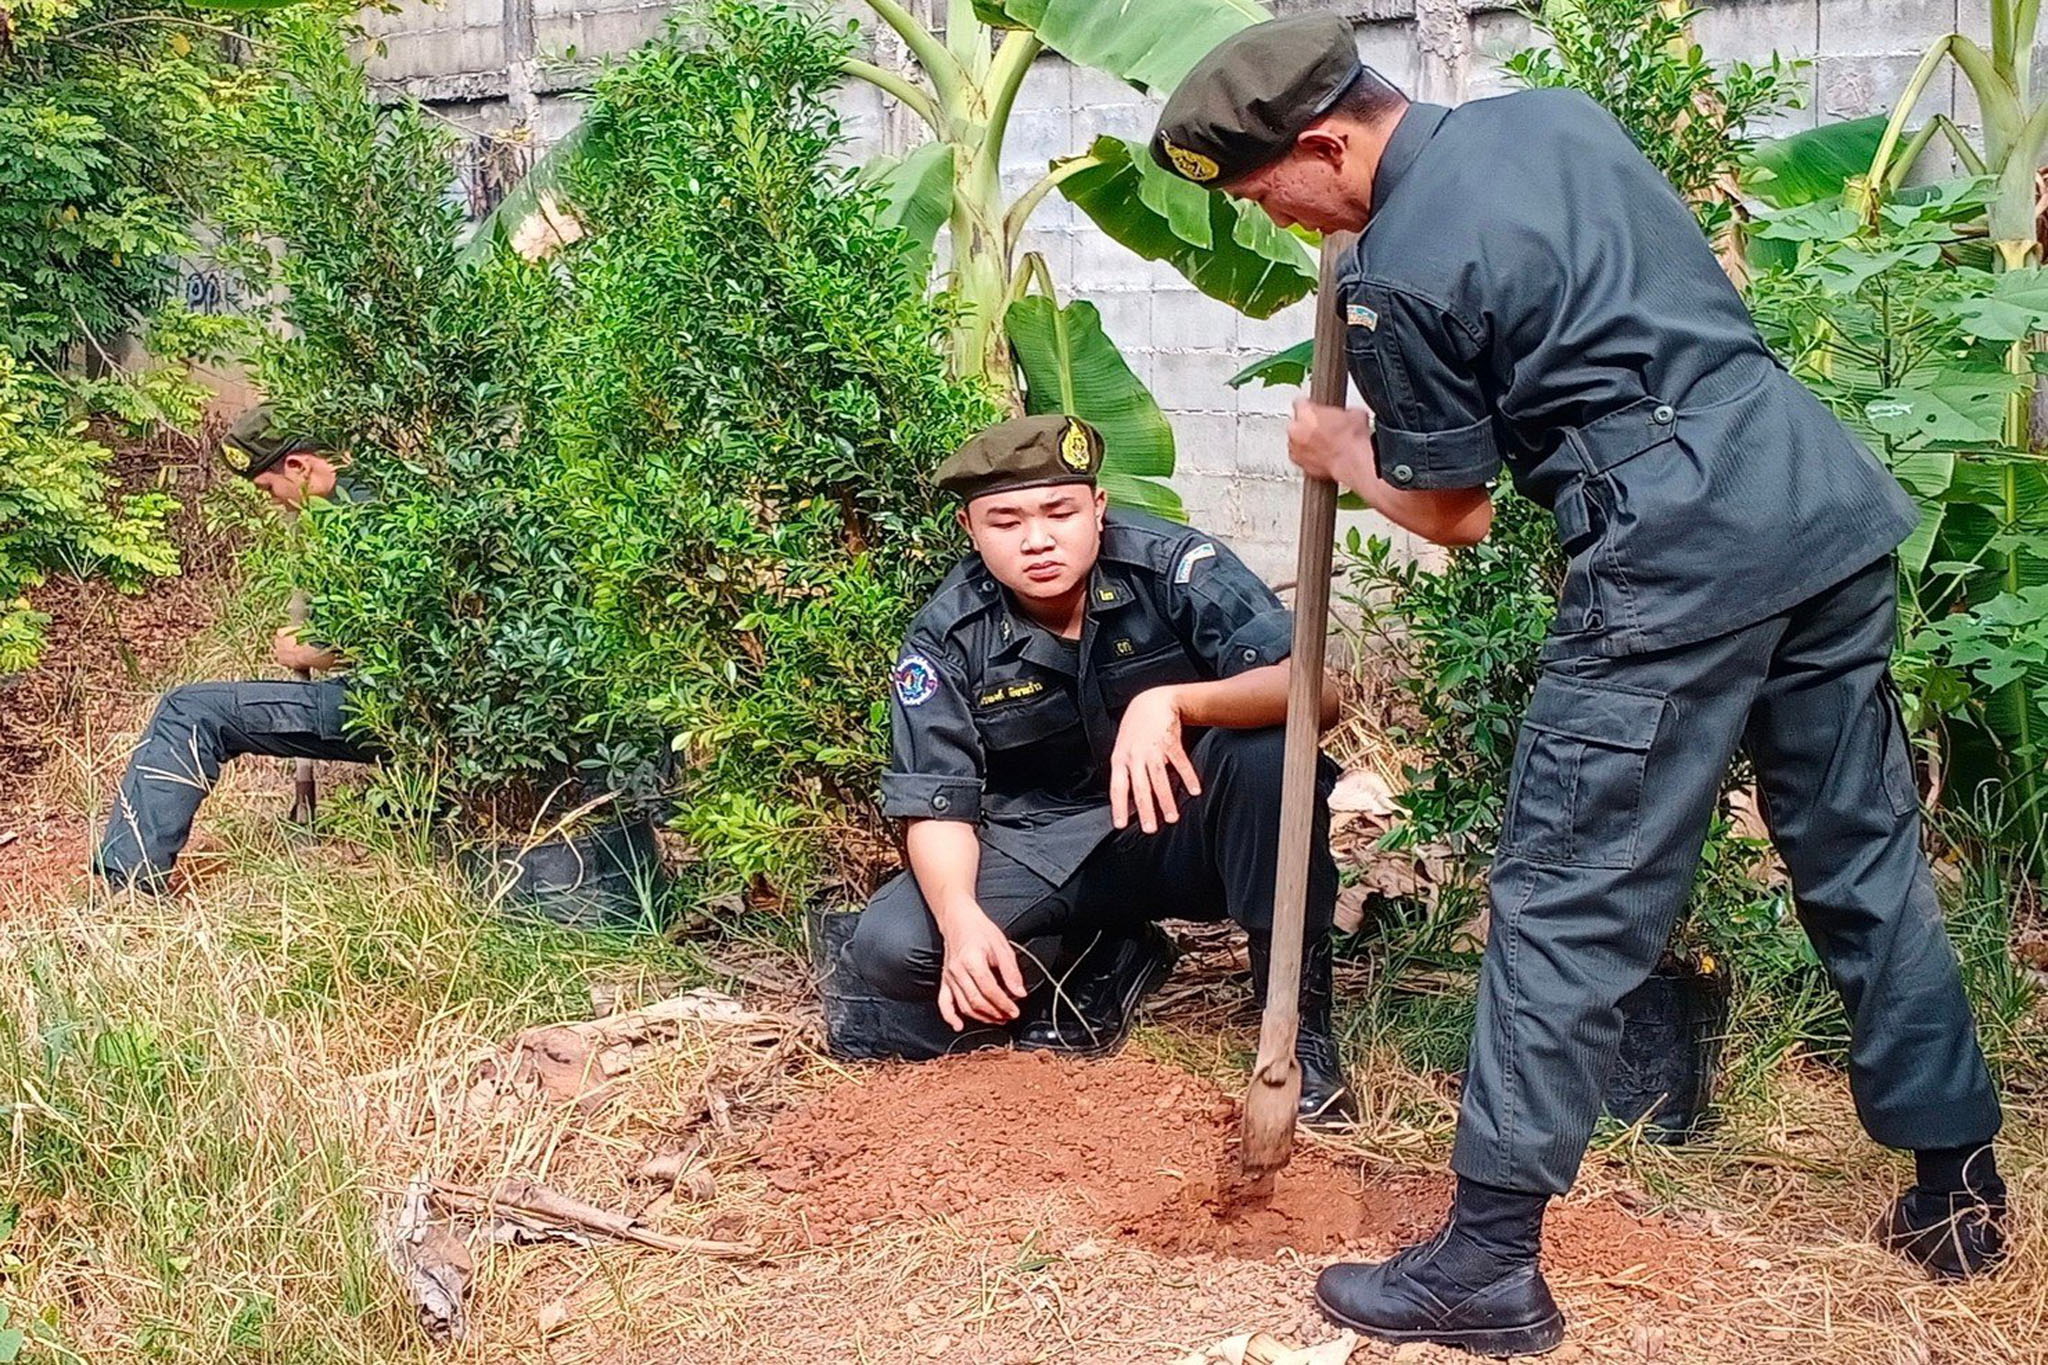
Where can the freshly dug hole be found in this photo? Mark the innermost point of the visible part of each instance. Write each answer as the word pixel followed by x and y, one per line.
pixel 1015 1143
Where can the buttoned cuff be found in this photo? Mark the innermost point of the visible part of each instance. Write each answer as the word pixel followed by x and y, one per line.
pixel 926 796
pixel 1265 639
pixel 1465 458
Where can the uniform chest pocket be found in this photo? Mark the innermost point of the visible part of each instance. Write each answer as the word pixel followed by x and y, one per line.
pixel 1123 679
pixel 1032 720
pixel 1575 797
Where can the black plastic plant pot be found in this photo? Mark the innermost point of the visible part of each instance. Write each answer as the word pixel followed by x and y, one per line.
pixel 862 1024
pixel 610 877
pixel 1672 1027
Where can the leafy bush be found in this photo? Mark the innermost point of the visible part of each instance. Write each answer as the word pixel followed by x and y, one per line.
pixel 752 389
pixel 452 588
pixel 1902 328
pixel 1637 57
pixel 106 158
pixel 666 493
pixel 56 515
pixel 1463 640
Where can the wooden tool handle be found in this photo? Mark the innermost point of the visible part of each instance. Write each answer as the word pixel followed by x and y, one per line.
pixel 1268 1134
pixel 305 784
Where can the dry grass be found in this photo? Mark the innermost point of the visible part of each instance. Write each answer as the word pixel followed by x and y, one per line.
pixel 211 1099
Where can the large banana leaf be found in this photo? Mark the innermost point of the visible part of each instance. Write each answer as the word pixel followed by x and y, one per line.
pixel 918 189
pixel 1228 249
pixel 1070 365
pixel 1150 43
pixel 1814 165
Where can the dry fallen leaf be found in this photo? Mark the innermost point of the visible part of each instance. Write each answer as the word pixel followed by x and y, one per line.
pixel 1364 791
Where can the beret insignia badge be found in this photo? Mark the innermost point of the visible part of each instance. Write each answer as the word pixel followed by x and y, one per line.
pixel 1193 165
pixel 1074 447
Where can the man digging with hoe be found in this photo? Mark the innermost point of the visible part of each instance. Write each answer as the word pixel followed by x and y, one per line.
pixel 1528 293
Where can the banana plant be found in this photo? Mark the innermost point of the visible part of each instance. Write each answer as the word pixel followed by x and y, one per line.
pixel 964 87
pixel 2015 128
pixel 2015 134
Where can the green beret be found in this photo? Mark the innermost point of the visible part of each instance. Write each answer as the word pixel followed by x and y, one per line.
pixel 257 441
pixel 1245 103
pixel 1025 452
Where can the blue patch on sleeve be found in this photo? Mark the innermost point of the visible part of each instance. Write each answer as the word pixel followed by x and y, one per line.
pixel 917 681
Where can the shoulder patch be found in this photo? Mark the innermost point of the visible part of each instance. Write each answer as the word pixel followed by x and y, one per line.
pixel 916 679
pixel 1358 315
pixel 1185 570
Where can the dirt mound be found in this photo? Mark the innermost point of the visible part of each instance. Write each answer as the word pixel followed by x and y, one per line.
pixel 1010 1143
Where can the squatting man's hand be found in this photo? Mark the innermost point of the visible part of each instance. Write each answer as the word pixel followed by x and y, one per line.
pixel 1325 442
pixel 296 656
pixel 981 978
pixel 1147 755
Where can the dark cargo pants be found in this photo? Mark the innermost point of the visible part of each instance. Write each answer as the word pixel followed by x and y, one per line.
pixel 1616 774
pixel 1217 862
pixel 196 729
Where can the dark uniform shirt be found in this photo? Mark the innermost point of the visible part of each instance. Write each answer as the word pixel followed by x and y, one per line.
pixel 998 721
pixel 1531 292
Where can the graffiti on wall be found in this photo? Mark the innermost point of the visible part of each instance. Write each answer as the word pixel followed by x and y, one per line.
pixel 211 290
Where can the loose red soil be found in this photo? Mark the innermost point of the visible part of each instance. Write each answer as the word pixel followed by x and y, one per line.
pixel 1011 1143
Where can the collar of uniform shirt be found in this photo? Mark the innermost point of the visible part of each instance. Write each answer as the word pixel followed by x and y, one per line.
pixel 1418 125
pixel 1105 593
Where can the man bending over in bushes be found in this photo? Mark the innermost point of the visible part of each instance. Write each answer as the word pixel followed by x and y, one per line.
pixel 1088 721
pixel 199 727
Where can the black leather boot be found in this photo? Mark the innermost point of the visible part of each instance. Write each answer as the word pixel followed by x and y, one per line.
pixel 1951 1235
pixel 1090 1007
pixel 1952 1221
pixel 1475 1285
pixel 1325 1094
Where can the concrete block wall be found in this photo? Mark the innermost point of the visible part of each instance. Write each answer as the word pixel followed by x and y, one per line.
pixel 498 64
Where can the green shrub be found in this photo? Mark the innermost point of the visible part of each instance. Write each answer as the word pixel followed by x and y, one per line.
pixel 665 494
pixel 56 513
pixel 1637 57
pixel 451 588
pixel 107 156
pixel 751 387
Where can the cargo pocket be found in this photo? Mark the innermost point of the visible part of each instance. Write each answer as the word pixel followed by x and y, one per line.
pixel 1575 799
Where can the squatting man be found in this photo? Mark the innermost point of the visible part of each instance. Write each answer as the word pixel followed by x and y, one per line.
pixel 1087 725
pixel 198 728
pixel 1528 294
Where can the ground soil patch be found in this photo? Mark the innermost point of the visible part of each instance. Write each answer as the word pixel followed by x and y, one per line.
pixel 1130 1150
pixel 106 655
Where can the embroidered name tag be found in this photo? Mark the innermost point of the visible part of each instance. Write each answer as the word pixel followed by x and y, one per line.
pixel 1015 691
